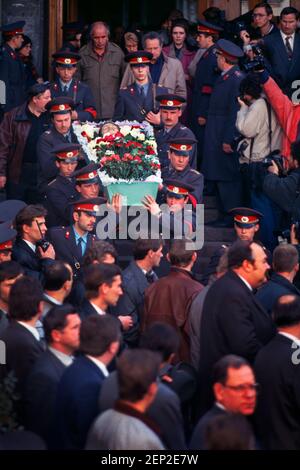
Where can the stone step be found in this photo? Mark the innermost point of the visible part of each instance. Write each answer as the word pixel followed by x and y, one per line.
pixel 210 215
pixel 214 234
pixel 210 202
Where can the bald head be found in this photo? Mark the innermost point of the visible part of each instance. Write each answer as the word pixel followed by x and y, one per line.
pixel 99 36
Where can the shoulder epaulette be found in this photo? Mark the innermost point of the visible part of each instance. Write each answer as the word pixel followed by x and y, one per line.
pixel 51 182
pixel 195 171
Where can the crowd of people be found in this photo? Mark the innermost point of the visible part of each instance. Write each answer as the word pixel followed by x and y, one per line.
pixel 153 356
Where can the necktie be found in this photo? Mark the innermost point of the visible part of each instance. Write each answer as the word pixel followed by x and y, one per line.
pixel 288 47
pixel 142 91
pixel 65 91
pixel 80 245
pixel 150 276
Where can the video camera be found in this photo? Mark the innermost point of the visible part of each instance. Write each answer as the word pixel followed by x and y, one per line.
pixel 42 243
pixel 277 158
pixel 258 63
pixel 285 235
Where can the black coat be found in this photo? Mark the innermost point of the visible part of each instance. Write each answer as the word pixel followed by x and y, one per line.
pixel 131 303
pixel 40 392
pixel 22 351
pixel 273 289
pixel 164 411
pixel 198 437
pixel 284 192
pixel 76 404
pixel 278 411
pixel 233 322
pixel 29 260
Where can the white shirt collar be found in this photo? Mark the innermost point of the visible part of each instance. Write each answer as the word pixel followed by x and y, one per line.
pixel 220 406
pixel 31 245
pixel 52 299
pixel 32 330
pixel 98 309
pixel 245 282
pixel 100 365
pixel 62 357
pixel 291 36
pixel 291 337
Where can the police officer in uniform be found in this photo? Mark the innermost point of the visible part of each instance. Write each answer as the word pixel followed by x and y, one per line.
pixel 7 235
pixel 11 67
pixel 220 164
pixel 170 111
pixel 71 242
pixel 246 225
pixel 61 132
pixel 179 168
pixel 87 181
pixel 72 33
pixel 138 99
pixel 177 217
pixel 206 74
pixel 61 191
pixel 66 85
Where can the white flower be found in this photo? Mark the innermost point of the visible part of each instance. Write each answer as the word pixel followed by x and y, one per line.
pixel 125 130
pixel 89 129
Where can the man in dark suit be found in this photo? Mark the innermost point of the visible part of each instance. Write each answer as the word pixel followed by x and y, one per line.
pixel 10 272
pixel 139 98
pixel 61 132
pixel 164 410
pixel 233 321
pixel 66 85
pixel 21 338
pixel 285 268
pixel 277 370
pixel 30 249
pixel 61 327
pixel 135 279
pixel 78 391
pixel 282 50
pixel 103 288
pixel 235 392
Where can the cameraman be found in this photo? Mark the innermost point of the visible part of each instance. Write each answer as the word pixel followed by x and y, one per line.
pixel 257 123
pixel 285 191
